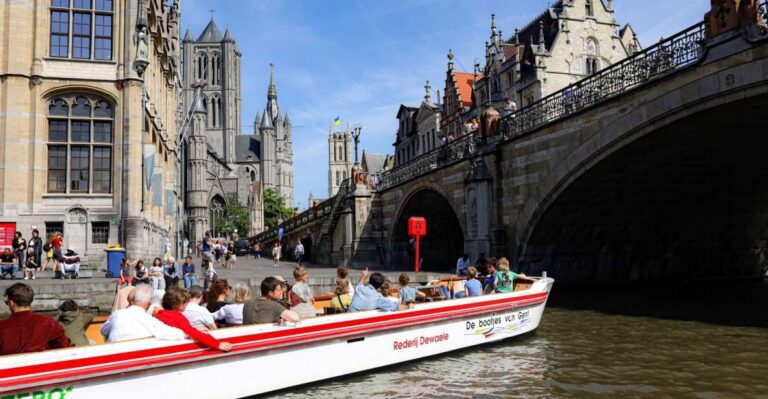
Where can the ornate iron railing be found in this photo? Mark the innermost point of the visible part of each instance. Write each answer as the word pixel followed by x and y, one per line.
pixel 668 56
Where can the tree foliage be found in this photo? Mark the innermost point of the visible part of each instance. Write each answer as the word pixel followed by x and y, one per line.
pixel 236 216
pixel 274 208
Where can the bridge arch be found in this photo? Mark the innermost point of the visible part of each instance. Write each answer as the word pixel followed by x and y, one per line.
pixel 444 242
pixel 672 195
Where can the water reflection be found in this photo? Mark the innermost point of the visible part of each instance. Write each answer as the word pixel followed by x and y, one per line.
pixel 632 345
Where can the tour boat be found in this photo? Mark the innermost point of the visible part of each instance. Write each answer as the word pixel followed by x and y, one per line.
pixel 269 357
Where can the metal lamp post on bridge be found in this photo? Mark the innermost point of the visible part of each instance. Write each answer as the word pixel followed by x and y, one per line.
pixel 356 130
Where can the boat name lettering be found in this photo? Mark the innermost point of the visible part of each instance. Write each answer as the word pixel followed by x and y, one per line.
pixel 496 320
pixel 55 393
pixel 415 342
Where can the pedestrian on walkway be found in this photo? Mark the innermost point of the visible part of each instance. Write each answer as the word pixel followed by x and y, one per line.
pixel 257 250
pixel 299 252
pixel 19 245
pixel 56 242
pixel 36 245
pixel 276 251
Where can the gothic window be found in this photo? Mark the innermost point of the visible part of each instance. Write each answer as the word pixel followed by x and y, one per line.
pixel 81 29
pixel 338 178
pixel 80 140
pixel 217 212
pixel 589 9
pixel 339 155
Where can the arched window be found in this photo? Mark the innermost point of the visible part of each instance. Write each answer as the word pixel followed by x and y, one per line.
pixel 220 120
pixel 213 111
pixel 338 178
pixel 339 154
pixel 80 144
pixel 217 212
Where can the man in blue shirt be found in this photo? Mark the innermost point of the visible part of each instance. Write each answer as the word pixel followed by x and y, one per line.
pixel 367 297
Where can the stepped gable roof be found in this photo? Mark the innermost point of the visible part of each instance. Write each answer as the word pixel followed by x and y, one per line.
pixel 247 148
pixel 211 33
pixel 373 162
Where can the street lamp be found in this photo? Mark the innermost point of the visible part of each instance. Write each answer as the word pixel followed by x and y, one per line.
pixel 356 130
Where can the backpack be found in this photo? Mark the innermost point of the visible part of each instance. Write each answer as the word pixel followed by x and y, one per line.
pixel 46 247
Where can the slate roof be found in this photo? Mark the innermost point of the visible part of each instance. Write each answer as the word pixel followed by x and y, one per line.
pixel 211 34
pixel 247 145
pixel 373 162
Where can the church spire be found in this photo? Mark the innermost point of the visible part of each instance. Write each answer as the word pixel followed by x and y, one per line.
pixel 272 92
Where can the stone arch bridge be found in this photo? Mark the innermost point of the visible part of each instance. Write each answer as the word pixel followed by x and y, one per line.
pixel 653 168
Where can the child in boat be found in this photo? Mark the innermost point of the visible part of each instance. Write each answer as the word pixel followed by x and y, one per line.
pixel 504 279
pixel 232 314
pixel 343 273
pixel 407 293
pixel 174 302
pixel 472 287
pixel 301 294
pixel 341 298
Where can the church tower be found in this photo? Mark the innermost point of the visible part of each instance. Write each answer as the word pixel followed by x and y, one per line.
pixel 339 159
pixel 215 59
pixel 276 146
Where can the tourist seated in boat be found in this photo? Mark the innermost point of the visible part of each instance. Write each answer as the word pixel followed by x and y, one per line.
pixel 367 296
pixel 386 292
pixel 140 273
pixel 216 297
pixel 134 322
pixel 301 294
pixel 343 273
pixel 472 287
pixel 74 322
pixel 341 298
pixel 175 301
pixel 490 278
pixel 504 279
pixel 198 316
pixel 407 293
pixel 24 331
pixel 232 314
pixel 266 308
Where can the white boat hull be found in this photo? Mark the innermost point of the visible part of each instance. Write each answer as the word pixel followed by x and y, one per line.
pixel 267 358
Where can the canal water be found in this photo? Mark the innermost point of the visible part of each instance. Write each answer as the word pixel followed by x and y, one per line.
pixel 688 341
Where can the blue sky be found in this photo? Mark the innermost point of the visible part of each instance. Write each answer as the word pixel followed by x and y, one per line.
pixel 361 59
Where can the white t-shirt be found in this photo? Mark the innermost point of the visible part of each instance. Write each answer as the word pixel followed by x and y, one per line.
pixel 198 315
